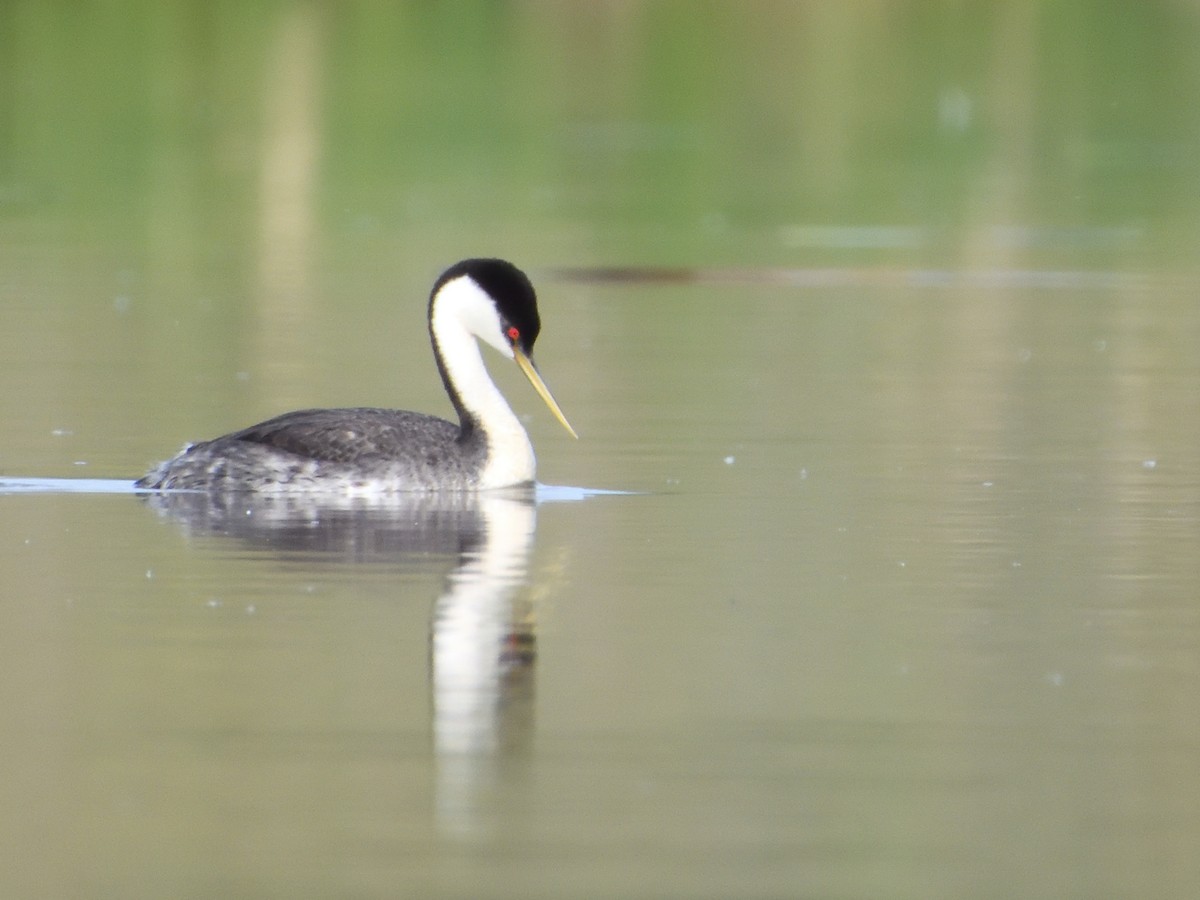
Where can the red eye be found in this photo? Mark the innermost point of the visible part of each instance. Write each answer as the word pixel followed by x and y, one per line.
pixel 514 333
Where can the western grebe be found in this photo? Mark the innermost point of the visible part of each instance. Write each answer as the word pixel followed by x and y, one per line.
pixel 389 450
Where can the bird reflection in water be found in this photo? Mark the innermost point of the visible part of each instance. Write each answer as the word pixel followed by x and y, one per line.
pixel 482 644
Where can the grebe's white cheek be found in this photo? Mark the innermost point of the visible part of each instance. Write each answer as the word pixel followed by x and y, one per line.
pixel 464 302
pixel 493 335
pixel 501 344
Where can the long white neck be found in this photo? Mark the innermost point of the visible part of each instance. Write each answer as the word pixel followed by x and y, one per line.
pixel 461 312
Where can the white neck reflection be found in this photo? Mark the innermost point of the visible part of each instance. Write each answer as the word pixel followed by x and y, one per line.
pixel 483 650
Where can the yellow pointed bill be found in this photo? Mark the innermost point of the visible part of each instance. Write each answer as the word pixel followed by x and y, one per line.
pixel 535 379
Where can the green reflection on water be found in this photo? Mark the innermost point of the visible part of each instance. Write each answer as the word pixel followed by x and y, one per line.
pixel 658 133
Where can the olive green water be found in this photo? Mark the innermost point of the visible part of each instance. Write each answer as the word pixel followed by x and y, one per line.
pixel 889 312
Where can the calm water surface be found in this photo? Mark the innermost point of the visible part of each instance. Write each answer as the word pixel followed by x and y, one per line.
pixel 895 350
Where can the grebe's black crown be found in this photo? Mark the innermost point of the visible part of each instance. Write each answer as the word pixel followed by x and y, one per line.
pixel 508 287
